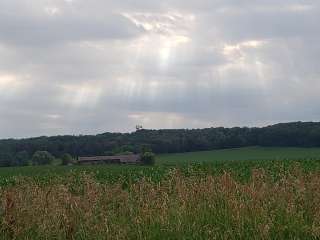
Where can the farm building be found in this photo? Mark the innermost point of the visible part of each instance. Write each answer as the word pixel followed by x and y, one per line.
pixel 121 159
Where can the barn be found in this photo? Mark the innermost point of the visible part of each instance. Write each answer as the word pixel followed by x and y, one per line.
pixel 120 159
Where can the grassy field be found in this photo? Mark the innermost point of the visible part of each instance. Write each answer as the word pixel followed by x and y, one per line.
pixel 260 193
pixel 250 153
pixel 239 161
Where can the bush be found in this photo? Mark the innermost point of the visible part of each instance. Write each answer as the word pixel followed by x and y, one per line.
pixel 6 159
pixel 66 159
pixel 148 158
pixel 22 159
pixel 42 158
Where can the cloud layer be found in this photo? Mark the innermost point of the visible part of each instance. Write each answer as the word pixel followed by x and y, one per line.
pixel 77 67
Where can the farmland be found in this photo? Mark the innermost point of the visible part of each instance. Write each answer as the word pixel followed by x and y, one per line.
pixel 249 153
pixel 221 194
pixel 240 161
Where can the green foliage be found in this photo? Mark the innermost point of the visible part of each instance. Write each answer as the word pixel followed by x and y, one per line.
pixel 42 158
pixel 240 162
pixel 22 158
pixel 6 159
pixel 122 150
pixel 66 159
pixel 297 134
pixel 217 199
pixel 148 158
pixel 145 148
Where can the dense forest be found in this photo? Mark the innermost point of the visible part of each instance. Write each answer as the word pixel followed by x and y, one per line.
pixel 15 152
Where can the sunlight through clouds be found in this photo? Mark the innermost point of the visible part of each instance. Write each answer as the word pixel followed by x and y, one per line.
pixel 52 10
pixel 155 120
pixel 243 59
pixel 240 48
pixel 10 85
pixel 79 65
pixel 7 81
pixel 85 95
pixel 166 31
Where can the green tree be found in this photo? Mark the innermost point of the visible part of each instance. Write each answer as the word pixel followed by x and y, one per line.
pixel 123 150
pixel 148 158
pixel 145 148
pixel 6 159
pixel 42 158
pixel 66 159
pixel 22 158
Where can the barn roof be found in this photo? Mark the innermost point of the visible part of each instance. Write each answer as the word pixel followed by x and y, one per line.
pixel 133 158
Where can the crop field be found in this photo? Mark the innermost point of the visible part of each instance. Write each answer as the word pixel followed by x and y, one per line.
pixel 249 153
pixel 260 193
pixel 239 161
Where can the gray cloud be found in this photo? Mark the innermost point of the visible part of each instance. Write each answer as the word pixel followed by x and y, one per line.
pixel 72 67
pixel 25 24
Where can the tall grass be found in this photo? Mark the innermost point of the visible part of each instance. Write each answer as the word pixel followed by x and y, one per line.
pixel 240 169
pixel 179 206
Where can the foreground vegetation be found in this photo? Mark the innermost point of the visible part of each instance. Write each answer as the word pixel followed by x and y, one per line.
pixel 197 205
pixel 239 161
pixel 258 193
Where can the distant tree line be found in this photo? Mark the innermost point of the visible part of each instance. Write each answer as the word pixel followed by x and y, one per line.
pixel 17 152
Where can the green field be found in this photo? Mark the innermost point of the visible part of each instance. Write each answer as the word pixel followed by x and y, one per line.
pixel 250 153
pixel 239 161
pixel 248 193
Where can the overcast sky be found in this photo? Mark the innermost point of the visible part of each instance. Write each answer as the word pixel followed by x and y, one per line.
pixel 87 67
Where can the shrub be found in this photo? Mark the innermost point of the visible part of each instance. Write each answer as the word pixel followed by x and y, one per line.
pixel 148 158
pixel 22 158
pixel 42 158
pixel 66 159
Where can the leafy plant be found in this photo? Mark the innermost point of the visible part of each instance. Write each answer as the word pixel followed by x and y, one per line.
pixel 148 158
pixel 42 158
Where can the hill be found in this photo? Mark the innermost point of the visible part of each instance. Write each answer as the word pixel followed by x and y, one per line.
pixel 296 134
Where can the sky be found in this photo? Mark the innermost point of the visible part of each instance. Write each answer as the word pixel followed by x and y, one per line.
pixel 87 67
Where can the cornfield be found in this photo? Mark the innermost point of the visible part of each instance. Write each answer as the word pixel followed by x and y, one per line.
pixel 178 205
